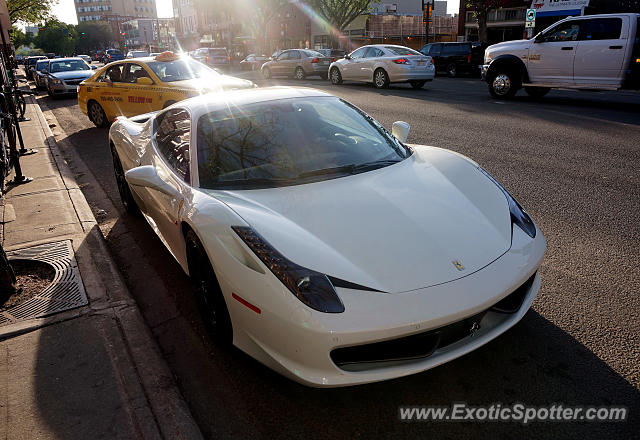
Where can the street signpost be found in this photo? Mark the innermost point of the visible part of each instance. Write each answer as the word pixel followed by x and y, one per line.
pixel 530 22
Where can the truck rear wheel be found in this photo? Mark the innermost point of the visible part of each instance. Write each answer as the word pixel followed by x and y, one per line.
pixel 504 84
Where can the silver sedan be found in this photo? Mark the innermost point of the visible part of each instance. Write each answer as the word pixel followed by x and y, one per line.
pixel 383 64
pixel 297 63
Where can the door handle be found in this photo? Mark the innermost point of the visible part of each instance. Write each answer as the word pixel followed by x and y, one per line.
pixel 567 48
pixel 615 47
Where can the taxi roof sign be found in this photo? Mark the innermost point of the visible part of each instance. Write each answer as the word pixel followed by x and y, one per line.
pixel 167 56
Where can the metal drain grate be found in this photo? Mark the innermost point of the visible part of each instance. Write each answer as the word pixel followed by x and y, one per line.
pixel 65 292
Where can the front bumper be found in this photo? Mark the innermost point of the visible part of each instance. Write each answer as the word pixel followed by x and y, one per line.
pixel 63 89
pixel 298 342
pixel 483 71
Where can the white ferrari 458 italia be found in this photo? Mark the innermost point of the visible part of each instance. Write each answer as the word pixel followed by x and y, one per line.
pixel 323 245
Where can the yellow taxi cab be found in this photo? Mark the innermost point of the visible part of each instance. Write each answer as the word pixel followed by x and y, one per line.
pixel 142 85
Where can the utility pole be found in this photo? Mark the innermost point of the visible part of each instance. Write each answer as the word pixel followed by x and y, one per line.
pixel 427 9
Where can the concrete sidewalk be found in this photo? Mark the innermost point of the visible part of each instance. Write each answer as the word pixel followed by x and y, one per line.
pixel 92 372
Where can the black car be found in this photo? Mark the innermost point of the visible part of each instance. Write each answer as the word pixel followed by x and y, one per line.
pixel 30 66
pixel 455 58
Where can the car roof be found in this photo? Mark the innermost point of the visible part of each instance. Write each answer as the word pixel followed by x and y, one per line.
pixel 67 59
pixel 220 100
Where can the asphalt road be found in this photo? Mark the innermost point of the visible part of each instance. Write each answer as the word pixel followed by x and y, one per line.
pixel 571 159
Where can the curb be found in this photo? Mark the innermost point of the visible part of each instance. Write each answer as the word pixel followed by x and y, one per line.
pixel 171 413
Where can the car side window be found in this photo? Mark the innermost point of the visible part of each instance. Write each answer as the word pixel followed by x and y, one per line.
pixel 373 52
pixel 112 74
pixel 564 32
pixel 283 56
pixel 358 53
pixel 601 29
pixel 435 50
pixel 134 72
pixel 173 137
pixel 294 55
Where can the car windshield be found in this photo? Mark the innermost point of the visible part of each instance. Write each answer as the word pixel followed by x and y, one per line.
pixel 403 51
pixel 219 52
pixel 41 64
pixel 290 141
pixel 67 66
pixel 179 70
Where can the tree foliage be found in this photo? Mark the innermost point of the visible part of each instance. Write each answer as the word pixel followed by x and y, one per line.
pixel 261 15
pixel 340 13
pixel 20 38
pixel 93 35
pixel 481 10
pixel 57 37
pixel 30 11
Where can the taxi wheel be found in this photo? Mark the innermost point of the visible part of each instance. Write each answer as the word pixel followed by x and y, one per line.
pixel 97 115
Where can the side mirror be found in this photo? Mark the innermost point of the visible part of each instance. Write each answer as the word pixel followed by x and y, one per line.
pixel 146 176
pixel 400 130
pixel 144 81
pixel 94 67
pixel 347 57
pixel 539 38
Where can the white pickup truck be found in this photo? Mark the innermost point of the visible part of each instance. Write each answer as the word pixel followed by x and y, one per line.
pixel 589 52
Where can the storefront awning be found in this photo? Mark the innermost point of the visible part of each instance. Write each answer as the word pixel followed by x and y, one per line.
pixel 550 8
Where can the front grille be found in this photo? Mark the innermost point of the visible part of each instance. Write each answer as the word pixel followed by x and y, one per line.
pixel 73 82
pixel 422 345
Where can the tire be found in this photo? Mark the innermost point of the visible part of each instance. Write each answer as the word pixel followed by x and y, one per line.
pixel 97 115
pixel 209 297
pixel 336 76
pixel 266 73
pixel 504 84
pixel 380 79
pixel 417 84
pixel 168 103
pixel 126 197
pixel 452 70
pixel 299 74
pixel 537 92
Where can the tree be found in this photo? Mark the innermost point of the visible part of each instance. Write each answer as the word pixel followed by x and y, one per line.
pixel 481 10
pixel 57 37
pixel 30 11
pixel 340 13
pixel 93 35
pixel 7 278
pixel 262 13
pixel 19 38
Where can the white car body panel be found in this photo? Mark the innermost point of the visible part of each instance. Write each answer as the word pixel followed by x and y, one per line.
pixel 431 208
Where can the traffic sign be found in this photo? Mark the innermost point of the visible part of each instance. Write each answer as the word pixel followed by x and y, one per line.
pixel 531 15
pixel 530 24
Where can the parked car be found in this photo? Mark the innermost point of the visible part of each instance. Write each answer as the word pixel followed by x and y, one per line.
pixel 137 54
pixel 111 55
pixel 65 74
pixel 20 59
pixel 86 58
pixel 589 52
pixel 154 54
pixel 97 56
pixel 336 54
pixel 253 62
pixel 456 58
pixel 142 85
pixel 297 63
pixel 51 55
pixel 40 74
pixel 30 65
pixel 216 57
pixel 328 300
pixel 384 64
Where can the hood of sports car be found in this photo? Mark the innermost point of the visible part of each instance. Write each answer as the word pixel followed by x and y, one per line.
pixel 427 220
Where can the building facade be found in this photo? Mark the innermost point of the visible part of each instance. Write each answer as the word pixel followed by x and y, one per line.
pixel 150 34
pixel 94 10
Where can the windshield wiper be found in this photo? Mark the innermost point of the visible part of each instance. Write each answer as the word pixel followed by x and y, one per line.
pixel 350 168
pixel 266 181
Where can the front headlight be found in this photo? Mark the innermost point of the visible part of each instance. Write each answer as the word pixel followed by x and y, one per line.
pixel 519 216
pixel 487 57
pixel 311 287
pixel 56 81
